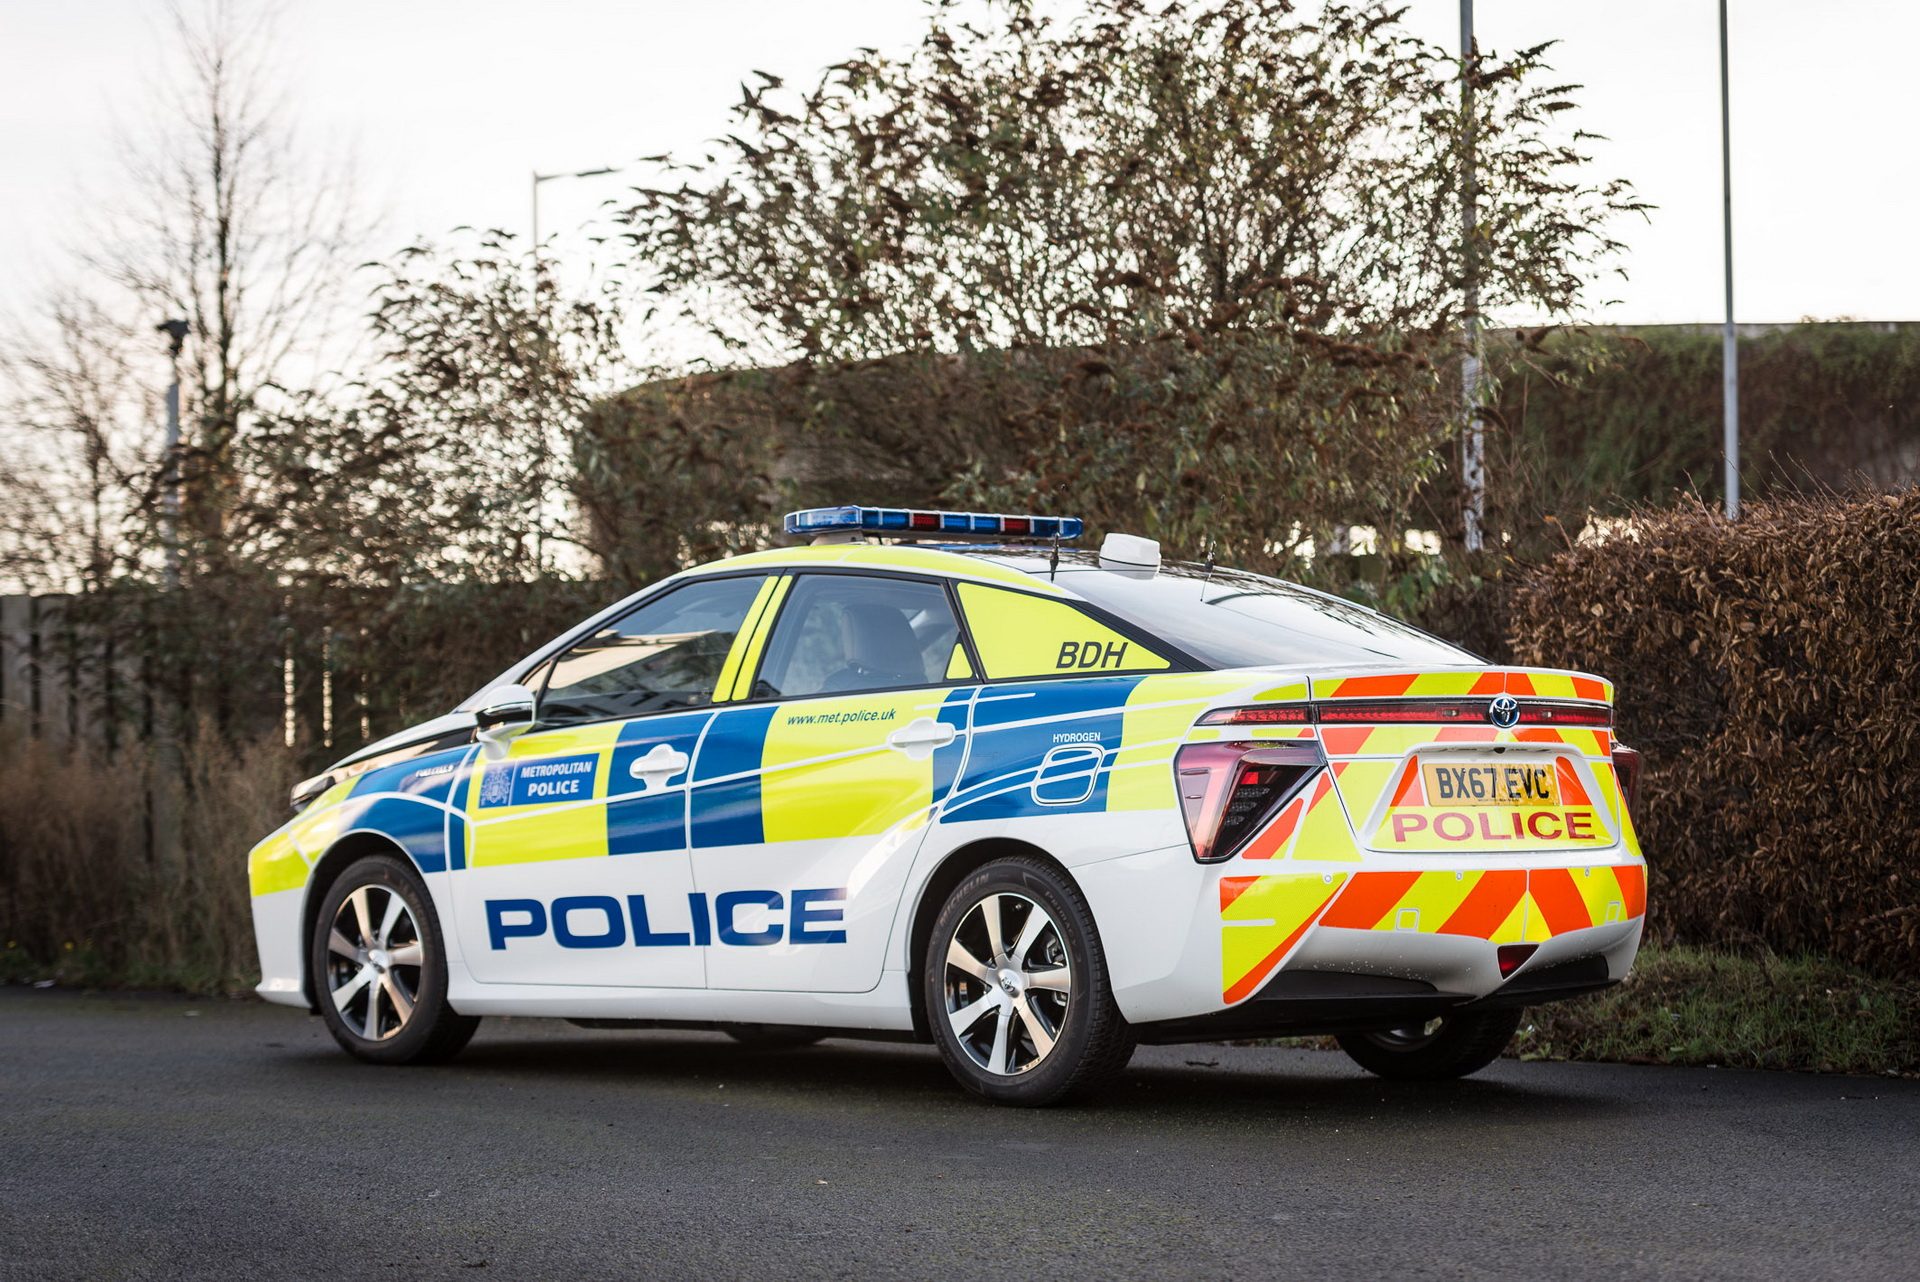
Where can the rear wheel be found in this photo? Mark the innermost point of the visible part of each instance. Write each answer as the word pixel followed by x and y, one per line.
pixel 380 968
pixel 1443 1047
pixel 1016 991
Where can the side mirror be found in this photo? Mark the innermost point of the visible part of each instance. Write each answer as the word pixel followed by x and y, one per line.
pixel 504 713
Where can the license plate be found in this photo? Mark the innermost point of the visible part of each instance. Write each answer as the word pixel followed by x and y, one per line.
pixel 1490 784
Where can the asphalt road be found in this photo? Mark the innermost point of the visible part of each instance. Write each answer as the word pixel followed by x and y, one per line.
pixel 154 1137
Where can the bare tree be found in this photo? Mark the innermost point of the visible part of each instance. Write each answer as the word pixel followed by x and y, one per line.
pixel 222 219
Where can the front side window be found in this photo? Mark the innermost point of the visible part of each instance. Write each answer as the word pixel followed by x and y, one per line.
pixel 662 655
pixel 843 633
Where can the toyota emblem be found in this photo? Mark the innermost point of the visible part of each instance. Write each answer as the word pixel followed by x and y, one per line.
pixel 1504 711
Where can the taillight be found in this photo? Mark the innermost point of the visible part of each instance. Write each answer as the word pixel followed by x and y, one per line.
pixel 1626 768
pixel 1382 711
pixel 1272 714
pixel 1531 712
pixel 1229 790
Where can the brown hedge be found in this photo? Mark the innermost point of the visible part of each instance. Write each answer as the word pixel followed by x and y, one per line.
pixel 1769 671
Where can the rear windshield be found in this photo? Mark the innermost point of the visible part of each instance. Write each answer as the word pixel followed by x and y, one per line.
pixel 1233 619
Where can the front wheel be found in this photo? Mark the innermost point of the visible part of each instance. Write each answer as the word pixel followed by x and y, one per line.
pixel 380 969
pixel 1016 990
pixel 1443 1047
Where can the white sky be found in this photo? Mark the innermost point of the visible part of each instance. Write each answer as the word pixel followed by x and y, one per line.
pixel 451 104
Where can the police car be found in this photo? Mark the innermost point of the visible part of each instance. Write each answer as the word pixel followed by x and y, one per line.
pixel 941 775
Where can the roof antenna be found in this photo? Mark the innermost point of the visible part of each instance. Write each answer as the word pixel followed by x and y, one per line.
pixel 1053 557
pixel 1208 576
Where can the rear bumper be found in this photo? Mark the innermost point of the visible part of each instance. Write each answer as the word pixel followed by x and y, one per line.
pixel 1338 982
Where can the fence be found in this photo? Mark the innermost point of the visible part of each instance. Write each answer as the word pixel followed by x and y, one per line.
pixel 321 671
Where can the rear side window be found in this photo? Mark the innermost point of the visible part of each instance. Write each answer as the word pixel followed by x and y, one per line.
pixel 665 653
pixel 1234 619
pixel 843 633
pixel 1021 635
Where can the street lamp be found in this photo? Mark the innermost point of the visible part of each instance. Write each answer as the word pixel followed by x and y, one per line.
pixel 1729 337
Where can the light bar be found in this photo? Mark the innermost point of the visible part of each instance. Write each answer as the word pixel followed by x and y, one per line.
pixel 908 523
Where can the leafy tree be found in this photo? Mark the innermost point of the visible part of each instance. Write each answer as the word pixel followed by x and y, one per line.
pixel 1199 266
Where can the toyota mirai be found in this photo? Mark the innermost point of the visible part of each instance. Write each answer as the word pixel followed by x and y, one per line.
pixel 935 775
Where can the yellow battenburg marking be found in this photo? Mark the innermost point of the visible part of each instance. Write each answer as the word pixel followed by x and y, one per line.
pixel 1142 777
pixel 275 864
pixel 1264 916
pixel 866 788
pixel 744 658
pixel 958 669
pixel 1294 693
pixel 539 831
pixel 1020 635
pixel 885 556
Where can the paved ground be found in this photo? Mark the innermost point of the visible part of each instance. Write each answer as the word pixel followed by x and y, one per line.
pixel 161 1138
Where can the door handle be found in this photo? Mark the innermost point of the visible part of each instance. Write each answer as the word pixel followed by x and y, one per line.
pixel 658 766
pixel 919 739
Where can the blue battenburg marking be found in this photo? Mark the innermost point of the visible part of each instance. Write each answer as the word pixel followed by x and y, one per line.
pixel 646 817
pixel 728 814
pixel 946 760
pixel 1005 757
pixel 456 842
pixel 679 731
pixel 430 776
pixel 419 828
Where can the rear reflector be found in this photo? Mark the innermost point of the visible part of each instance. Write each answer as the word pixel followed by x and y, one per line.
pixel 1229 790
pixel 1513 956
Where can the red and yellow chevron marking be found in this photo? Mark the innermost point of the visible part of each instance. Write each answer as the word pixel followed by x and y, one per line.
pixel 1262 920
pixel 1457 683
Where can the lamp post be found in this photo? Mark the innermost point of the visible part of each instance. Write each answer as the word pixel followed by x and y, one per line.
pixel 1729 339
pixel 176 332
pixel 1473 450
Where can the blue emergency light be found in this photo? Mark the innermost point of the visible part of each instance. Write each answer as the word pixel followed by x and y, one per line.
pixel 907 523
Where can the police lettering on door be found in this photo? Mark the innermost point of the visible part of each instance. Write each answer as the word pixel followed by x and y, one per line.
pixel 533 783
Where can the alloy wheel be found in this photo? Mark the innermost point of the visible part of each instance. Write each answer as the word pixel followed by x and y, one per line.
pixel 1008 983
pixel 374 961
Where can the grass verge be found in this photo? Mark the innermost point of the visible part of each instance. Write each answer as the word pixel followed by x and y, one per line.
pixel 1707 1006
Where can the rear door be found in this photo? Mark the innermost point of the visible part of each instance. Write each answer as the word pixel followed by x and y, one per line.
pixel 811 798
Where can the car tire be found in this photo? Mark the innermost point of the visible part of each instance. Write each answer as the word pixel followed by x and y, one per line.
pixel 380 967
pixel 1022 1010
pixel 1447 1047
pixel 773 1037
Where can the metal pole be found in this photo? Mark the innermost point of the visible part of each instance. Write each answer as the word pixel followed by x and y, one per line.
pixel 176 332
pixel 1473 458
pixel 1730 340
pixel 535 244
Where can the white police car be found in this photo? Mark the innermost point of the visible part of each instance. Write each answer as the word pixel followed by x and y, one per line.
pixel 937 775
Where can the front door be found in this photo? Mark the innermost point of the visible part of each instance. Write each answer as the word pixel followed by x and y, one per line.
pixel 810 801
pixel 573 867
